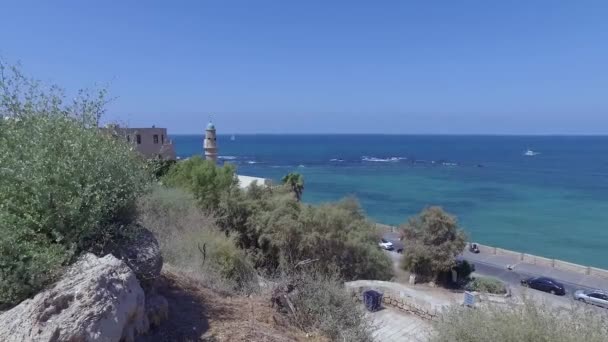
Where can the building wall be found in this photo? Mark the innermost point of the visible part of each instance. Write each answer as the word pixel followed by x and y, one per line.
pixel 150 142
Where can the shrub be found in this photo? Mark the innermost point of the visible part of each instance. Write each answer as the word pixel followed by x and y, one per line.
pixel 191 242
pixel 206 181
pixel 337 234
pixel 159 167
pixel 432 241
pixel 64 186
pixel 487 285
pixel 324 304
pixel 527 322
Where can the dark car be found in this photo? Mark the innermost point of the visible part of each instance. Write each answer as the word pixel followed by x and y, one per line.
pixel 545 284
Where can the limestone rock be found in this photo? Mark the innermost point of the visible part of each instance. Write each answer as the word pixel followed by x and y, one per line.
pixel 97 299
pixel 142 254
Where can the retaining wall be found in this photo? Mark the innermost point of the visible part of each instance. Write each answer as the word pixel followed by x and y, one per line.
pixel 546 262
pixel 406 304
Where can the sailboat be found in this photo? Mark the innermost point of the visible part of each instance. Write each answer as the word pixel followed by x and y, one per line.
pixel 233 138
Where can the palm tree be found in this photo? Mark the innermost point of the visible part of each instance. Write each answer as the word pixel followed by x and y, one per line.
pixel 295 182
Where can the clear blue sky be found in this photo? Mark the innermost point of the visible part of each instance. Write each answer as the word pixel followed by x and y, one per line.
pixel 326 66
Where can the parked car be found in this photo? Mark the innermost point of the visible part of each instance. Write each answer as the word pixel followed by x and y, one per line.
pixel 545 284
pixel 473 248
pixel 385 244
pixel 595 297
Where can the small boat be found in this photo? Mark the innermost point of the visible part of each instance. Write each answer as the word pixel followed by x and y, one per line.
pixel 233 138
pixel 530 153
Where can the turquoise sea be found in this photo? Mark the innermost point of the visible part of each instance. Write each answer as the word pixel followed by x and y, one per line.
pixel 553 204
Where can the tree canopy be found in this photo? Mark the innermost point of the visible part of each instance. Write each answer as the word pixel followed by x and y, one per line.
pixel 432 241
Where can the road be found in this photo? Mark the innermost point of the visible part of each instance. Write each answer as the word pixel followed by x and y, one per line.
pixel 496 266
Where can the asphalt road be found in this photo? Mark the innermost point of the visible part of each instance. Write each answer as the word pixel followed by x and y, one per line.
pixel 513 277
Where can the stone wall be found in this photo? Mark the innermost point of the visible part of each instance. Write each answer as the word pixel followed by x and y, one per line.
pixel 403 303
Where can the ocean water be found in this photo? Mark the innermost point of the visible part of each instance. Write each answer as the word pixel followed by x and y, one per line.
pixel 553 204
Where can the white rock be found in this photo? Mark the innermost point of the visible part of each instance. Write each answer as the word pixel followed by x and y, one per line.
pixel 98 299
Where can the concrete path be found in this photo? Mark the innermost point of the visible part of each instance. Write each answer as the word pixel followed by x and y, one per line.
pixel 395 326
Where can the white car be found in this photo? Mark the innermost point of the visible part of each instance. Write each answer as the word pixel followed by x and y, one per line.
pixel 384 244
pixel 595 297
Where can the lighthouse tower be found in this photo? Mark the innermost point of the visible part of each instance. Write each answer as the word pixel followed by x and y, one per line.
pixel 210 143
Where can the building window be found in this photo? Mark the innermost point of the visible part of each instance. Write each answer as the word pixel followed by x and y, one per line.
pixel 162 139
pixel 138 139
pixel 128 138
pixel 155 138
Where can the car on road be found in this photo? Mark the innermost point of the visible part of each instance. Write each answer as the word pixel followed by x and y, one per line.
pixel 387 245
pixel 545 284
pixel 595 297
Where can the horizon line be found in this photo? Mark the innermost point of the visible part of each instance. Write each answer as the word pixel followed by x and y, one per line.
pixel 423 134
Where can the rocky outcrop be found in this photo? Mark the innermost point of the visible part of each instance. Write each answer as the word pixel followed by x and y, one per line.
pixel 142 254
pixel 98 299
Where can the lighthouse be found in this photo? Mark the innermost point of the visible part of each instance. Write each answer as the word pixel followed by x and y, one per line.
pixel 210 143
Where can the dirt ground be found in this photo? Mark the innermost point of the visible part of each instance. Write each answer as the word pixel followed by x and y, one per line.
pixel 197 313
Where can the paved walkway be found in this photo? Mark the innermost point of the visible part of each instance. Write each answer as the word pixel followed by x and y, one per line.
pixel 395 326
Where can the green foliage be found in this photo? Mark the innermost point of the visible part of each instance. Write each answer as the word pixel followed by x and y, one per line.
pixel 206 181
pixel 185 233
pixel 278 231
pixel 159 167
pixel 527 322
pixel 432 241
pixel 295 182
pixel 487 285
pixel 64 186
pixel 324 304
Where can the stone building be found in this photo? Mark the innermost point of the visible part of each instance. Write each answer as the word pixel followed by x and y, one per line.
pixel 210 143
pixel 150 142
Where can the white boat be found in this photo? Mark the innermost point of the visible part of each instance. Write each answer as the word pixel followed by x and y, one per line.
pixel 530 153
pixel 233 138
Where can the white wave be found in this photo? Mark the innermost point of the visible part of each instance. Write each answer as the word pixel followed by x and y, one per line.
pixel 336 160
pixel 449 164
pixel 252 162
pixel 382 160
pixel 301 165
pixel 228 157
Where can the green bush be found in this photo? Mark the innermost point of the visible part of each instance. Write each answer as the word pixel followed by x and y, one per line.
pixel 324 304
pixel 64 186
pixel 285 232
pixel 433 239
pixel 159 167
pixel 191 242
pixel 527 322
pixel 278 231
pixel 205 180
pixel 487 285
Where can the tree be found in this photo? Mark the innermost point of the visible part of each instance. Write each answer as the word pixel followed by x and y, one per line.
pixel 205 180
pixel 295 182
pixel 432 241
